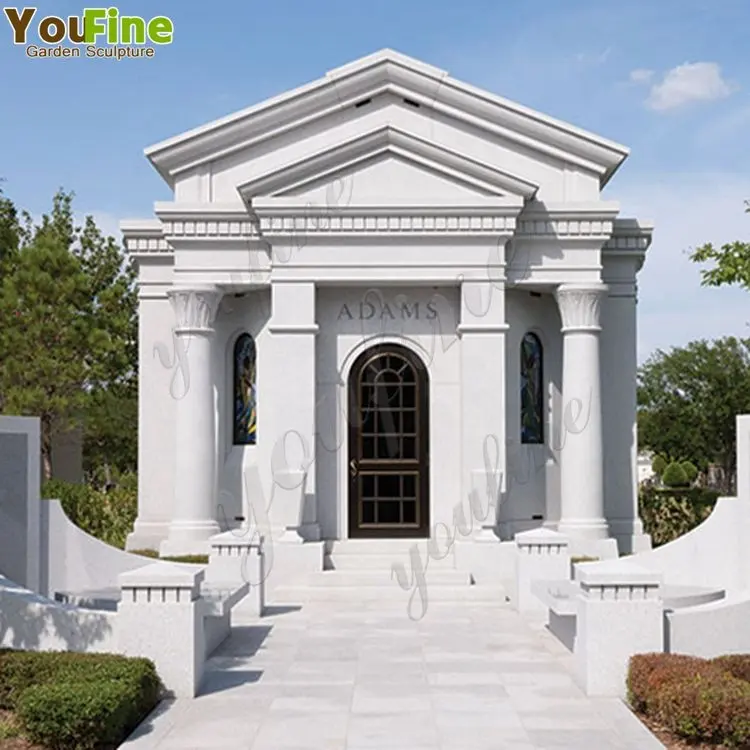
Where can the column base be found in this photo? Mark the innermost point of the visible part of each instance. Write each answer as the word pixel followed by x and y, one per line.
pixel 188 538
pixel 147 535
pixel 584 528
pixel 630 536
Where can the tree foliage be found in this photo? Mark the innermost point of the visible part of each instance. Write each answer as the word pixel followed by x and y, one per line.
pixel 658 465
pixel 674 475
pixel 688 399
pixel 731 262
pixel 68 343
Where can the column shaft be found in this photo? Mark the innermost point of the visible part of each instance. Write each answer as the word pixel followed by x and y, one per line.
pixel 194 516
pixel 581 455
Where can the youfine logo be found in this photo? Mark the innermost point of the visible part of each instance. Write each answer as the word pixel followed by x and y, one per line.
pixel 96 33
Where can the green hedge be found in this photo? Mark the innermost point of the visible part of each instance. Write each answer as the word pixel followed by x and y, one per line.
pixel 672 512
pixel 108 516
pixel 78 716
pixel 700 700
pixel 70 700
pixel 152 553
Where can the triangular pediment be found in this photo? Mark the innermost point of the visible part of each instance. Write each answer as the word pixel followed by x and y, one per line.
pixel 394 175
pixel 387 162
pixel 413 84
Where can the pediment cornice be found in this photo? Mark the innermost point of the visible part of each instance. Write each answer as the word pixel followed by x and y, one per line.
pixel 382 142
pixel 387 72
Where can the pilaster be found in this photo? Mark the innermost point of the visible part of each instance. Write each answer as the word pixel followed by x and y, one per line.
pixel 622 257
pixel 291 419
pixel 482 329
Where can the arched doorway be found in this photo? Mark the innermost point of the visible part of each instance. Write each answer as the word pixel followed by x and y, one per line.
pixel 388 444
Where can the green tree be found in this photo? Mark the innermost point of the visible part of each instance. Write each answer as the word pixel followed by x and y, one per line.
pixel 658 465
pixel 691 471
pixel 731 262
pixel 68 306
pixel 688 399
pixel 674 475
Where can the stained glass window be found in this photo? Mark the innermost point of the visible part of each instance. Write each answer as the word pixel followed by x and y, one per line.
pixel 245 396
pixel 532 390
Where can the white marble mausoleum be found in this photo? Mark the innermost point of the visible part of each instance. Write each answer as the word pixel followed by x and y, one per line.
pixel 377 298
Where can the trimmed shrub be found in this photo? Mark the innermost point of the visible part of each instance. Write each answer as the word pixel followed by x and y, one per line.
pixel 709 706
pixel 647 672
pixel 20 670
pixel 674 475
pixel 697 699
pixel 658 465
pixel 738 665
pixel 691 471
pixel 80 715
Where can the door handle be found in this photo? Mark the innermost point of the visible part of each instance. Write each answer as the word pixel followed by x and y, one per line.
pixel 353 468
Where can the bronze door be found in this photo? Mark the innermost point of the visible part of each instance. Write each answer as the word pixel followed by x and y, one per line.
pixel 388 444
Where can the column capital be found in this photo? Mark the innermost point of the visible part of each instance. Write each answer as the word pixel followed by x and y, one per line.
pixel 580 305
pixel 195 307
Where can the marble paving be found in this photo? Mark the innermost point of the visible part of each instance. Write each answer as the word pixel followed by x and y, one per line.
pixel 335 676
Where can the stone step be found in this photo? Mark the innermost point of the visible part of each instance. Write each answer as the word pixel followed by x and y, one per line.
pixel 338 561
pixel 393 594
pixel 367 547
pixel 385 577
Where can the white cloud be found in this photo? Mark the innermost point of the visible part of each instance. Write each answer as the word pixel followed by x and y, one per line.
pixel 641 75
pixel 688 211
pixel 688 83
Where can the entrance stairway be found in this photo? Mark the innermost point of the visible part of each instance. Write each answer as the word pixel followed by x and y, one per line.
pixel 362 571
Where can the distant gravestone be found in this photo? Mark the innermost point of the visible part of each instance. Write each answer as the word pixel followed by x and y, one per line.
pixel 19 500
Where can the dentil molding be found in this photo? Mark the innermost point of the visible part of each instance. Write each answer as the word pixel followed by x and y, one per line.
pixel 195 309
pixel 580 306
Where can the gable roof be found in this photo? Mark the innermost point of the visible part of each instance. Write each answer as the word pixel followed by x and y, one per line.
pixel 386 71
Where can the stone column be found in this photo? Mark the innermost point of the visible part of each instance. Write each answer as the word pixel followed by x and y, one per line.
pixel 581 456
pixel 194 514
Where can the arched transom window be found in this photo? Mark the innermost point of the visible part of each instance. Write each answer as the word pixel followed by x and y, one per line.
pixel 245 392
pixel 532 390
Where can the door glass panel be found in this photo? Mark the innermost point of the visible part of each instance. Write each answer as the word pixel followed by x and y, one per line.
pixel 385 476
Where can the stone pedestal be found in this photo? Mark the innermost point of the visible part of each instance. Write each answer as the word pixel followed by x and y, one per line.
pixel 619 613
pixel 541 555
pixel 159 617
pixel 238 557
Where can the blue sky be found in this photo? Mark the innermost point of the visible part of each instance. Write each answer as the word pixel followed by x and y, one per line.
pixel 669 79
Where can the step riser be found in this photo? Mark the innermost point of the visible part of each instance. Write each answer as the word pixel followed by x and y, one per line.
pixel 398 547
pixel 387 595
pixel 384 562
pixel 364 579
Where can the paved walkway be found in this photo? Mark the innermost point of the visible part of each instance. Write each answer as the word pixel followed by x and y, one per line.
pixel 336 676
